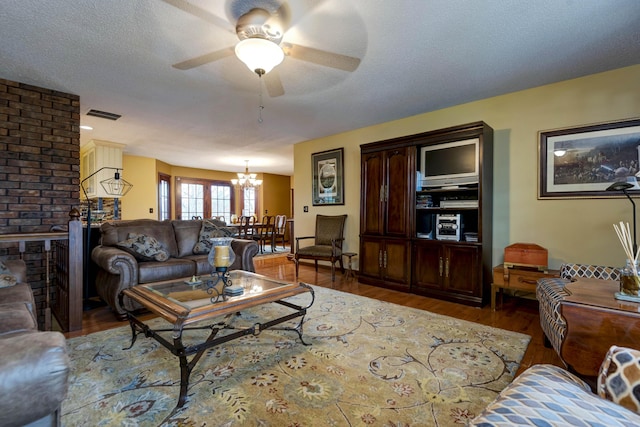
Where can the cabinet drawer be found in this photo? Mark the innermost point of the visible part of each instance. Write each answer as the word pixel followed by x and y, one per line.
pixel 522 280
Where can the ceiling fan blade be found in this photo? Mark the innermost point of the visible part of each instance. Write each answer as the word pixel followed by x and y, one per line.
pixel 273 84
pixel 203 59
pixel 321 57
pixel 185 6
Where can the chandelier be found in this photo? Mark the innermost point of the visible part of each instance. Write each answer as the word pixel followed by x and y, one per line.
pixel 246 179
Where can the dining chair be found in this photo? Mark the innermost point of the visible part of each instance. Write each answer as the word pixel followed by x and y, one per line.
pixel 246 227
pixel 280 230
pixel 264 232
pixel 327 245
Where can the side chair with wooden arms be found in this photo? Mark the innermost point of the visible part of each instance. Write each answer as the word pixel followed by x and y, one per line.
pixel 327 244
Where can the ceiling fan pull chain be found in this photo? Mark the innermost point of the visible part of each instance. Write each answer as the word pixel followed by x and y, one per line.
pixel 260 106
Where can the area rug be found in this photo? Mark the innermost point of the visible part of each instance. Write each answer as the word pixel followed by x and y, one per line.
pixel 368 363
pixel 267 252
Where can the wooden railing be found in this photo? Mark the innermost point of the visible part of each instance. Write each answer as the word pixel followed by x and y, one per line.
pixel 66 270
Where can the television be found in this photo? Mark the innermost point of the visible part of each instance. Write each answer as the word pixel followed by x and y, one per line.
pixel 450 164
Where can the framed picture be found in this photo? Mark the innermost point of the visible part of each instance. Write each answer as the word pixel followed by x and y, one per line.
pixel 327 177
pixel 584 161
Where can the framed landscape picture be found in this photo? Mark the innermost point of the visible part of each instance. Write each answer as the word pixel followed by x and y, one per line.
pixel 327 177
pixel 584 161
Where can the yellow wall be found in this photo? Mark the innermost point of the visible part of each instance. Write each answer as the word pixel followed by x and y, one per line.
pixel 572 230
pixel 277 201
pixel 142 172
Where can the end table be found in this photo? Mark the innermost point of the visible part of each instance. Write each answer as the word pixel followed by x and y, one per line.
pixel 517 279
pixel 350 273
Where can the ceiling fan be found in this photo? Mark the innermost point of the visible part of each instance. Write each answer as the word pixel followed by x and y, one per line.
pixel 261 22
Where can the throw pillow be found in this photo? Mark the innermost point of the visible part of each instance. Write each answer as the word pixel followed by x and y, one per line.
pixel 6 278
pixel 144 248
pixel 208 231
pixel 619 377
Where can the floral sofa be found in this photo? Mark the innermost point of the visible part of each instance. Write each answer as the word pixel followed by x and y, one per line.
pixel 546 395
pixel 34 365
pixel 146 251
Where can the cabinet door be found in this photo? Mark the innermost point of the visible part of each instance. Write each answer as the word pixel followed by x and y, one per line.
pixel 396 261
pixel 371 258
pixel 462 270
pixel 428 265
pixel 399 169
pixel 371 203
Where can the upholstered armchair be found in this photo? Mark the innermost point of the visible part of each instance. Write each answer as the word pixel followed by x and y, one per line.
pixel 550 292
pixel 34 365
pixel 327 245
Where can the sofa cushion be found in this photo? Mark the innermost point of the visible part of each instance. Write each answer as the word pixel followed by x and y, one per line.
pixel 144 248
pixel 619 377
pixel 20 293
pixel 16 317
pixel 162 231
pixel 187 232
pixel 7 278
pixel 201 262
pixel 208 231
pixel 174 268
pixel 570 271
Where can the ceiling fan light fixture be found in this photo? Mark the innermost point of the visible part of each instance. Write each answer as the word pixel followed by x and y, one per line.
pixel 259 55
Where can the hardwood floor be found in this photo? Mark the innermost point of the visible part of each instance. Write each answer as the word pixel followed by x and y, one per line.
pixel 516 314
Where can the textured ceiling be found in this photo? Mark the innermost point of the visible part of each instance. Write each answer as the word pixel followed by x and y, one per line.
pixel 416 56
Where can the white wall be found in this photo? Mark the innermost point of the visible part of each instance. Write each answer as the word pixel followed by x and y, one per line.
pixel 577 230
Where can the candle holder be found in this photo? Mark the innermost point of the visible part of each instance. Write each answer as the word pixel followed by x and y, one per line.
pixel 220 257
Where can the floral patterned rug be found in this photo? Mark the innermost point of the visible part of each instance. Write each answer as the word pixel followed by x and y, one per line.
pixel 370 363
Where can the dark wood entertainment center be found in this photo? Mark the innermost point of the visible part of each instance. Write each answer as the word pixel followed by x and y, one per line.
pixel 399 245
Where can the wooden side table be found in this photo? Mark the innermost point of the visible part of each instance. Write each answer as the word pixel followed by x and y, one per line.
pixel 349 273
pixel 595 322
pixel 517 279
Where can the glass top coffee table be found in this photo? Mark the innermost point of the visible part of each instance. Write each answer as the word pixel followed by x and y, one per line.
pixel 201 306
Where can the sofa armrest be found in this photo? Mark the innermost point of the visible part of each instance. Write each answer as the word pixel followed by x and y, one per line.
pixel 115 260
pixel 245 250
pixel 118 270
pixel 551 396
pixel 34 371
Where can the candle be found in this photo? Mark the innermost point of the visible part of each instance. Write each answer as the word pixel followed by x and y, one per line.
pixel 221 256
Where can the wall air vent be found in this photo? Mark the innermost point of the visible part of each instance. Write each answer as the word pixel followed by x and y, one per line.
pixel 103 115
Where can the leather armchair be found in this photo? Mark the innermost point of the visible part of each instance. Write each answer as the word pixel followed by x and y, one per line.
pixel 34 365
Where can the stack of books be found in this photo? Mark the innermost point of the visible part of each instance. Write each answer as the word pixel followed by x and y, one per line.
pixel 233 290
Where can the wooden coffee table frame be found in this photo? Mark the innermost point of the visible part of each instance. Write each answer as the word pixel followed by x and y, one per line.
pixel 180 317
pixel 596 321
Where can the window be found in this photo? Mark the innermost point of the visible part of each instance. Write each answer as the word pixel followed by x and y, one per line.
pixel 192 201
pixel 221 201
pixel 203 198
pixel 164 197
pixel 249 207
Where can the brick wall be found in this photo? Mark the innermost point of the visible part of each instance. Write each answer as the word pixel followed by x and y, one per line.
pixel 39 167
